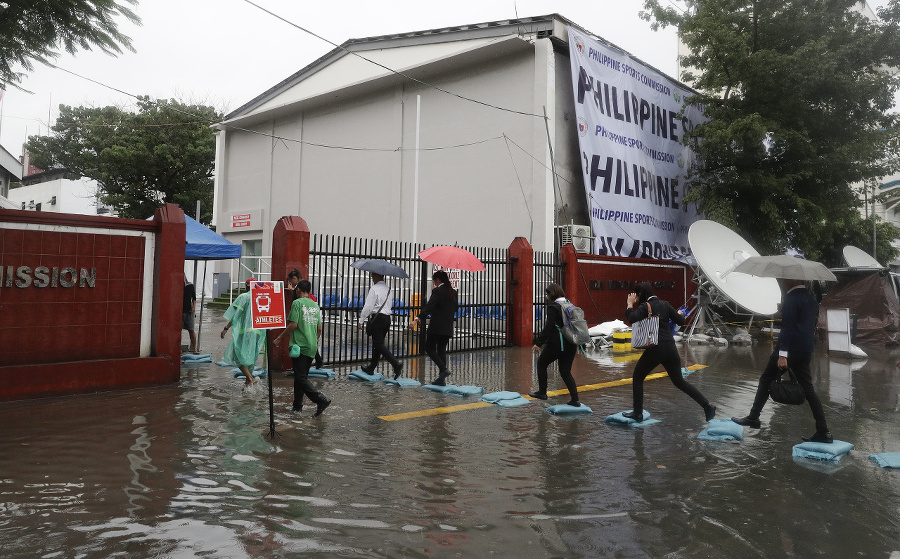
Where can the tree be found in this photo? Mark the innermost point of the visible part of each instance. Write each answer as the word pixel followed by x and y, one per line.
pixel 36 31
pixel 799 96
pixel 163 153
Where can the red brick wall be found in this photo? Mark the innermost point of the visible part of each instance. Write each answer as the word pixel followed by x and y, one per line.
pixel 63 322
pixel 62 336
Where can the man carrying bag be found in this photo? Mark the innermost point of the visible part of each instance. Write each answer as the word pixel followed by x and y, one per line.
pixel 376 319
pixel 794 347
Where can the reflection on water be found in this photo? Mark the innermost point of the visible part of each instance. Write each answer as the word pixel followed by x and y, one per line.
pixel 185 471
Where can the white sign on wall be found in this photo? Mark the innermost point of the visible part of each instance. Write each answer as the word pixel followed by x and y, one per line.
pixel 630 128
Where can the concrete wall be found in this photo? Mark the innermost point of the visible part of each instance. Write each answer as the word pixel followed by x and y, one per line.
pixel 482 194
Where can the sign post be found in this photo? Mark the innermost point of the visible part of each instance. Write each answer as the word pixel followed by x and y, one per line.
pixel 267 312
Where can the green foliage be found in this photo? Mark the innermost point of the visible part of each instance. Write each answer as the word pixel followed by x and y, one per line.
pixel 38 30
pixel 799 94
pixel 163 153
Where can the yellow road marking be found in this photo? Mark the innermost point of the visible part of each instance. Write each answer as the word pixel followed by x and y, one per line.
pixel 476 405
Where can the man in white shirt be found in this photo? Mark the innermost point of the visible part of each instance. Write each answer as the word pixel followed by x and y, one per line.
pixel 378 307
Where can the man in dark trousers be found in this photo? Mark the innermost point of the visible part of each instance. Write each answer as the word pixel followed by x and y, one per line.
pixel 799 314
pixel 378 306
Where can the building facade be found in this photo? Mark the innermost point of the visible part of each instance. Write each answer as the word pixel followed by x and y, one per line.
pixel 436 136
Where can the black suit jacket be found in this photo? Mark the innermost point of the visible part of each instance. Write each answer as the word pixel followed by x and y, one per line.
pixel 799 315
pixel 440 306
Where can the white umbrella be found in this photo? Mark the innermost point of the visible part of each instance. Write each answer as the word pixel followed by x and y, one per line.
pixel 786 267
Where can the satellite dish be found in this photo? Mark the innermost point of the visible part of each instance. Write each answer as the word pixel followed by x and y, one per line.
pixel 718 250
pixel 857 258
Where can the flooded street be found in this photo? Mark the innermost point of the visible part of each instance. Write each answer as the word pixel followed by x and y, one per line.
pixel 185 471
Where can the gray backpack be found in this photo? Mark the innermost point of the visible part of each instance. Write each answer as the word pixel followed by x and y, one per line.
pixel 575 328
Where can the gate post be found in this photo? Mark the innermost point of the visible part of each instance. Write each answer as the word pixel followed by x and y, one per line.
pixel 290 249
pixel 569 257
pixel 522 304
pixel 169 289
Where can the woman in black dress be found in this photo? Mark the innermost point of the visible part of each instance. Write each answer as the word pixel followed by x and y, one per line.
pixel 665 352
pixel 554 348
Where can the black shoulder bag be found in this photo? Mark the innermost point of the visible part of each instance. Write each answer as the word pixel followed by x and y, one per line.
pixel 787 391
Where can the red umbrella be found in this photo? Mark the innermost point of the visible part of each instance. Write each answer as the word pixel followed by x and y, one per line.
pixel 452 257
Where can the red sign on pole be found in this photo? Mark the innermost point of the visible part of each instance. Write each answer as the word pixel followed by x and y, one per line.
pixel 267 304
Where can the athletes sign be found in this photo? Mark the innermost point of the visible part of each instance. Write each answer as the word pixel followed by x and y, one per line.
pixel 267 304
pixel 630 125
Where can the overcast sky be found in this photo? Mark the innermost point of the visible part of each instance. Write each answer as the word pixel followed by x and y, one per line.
pixel 225 52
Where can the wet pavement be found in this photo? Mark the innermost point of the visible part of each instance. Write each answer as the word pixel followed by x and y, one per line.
pixel 185 471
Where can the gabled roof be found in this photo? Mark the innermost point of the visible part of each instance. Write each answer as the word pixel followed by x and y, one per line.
pixel 343 73
pixel 481 33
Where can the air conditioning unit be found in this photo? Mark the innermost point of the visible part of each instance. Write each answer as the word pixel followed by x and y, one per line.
pixel 579 235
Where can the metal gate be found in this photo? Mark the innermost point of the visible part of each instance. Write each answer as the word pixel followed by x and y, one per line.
pixel 548 268
pixel 484 299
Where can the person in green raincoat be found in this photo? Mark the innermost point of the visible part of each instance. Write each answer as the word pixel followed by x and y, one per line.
pixel 246 343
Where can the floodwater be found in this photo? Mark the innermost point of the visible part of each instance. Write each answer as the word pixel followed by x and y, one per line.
pixel 186 471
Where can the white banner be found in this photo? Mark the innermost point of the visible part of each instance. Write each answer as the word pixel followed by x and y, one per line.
pixel 630 130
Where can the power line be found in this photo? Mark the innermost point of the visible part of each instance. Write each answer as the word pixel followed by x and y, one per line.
pixel 273 136
pixel 370 61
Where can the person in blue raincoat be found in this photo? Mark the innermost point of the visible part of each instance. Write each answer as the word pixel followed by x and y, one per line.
pixel 246 343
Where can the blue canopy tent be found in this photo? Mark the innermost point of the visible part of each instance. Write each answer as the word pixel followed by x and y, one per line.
pixel 202 243
pixel 205 244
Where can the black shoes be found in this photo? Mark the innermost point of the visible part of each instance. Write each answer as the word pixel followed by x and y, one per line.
pixel 820 438
pixel 637 416
pixel 297 408
pixel 747 422
pixel 710 411
pixel 439 382
pixel 574 403
pixel 538 395
pixel 320 407
pixel 398 370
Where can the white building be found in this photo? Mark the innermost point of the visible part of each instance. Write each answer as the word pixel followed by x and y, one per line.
pixel 10 170
pixel 58 191
pixel 336 142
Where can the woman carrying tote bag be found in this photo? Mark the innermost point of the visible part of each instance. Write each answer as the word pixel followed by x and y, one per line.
pixel 664 352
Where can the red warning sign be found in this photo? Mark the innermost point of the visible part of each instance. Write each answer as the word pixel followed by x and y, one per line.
pixel 267 304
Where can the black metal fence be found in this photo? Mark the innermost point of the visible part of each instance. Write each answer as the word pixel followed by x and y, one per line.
pixel 484 300
pixel 548 268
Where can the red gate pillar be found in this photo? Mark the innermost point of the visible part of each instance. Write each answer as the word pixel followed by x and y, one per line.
pixel 522 329
pixel 169 292
pixel 290 249
pixel 572 273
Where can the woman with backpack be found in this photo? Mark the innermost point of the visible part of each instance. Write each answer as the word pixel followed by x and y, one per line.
pixel 643 304
pixel 554 347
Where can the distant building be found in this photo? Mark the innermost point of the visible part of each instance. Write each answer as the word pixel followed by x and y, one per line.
pixel 58 190
pixel 10 170
pixel 55 190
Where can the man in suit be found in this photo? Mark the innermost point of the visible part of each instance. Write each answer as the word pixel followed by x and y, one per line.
pixel 441 307
pixel 799 314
